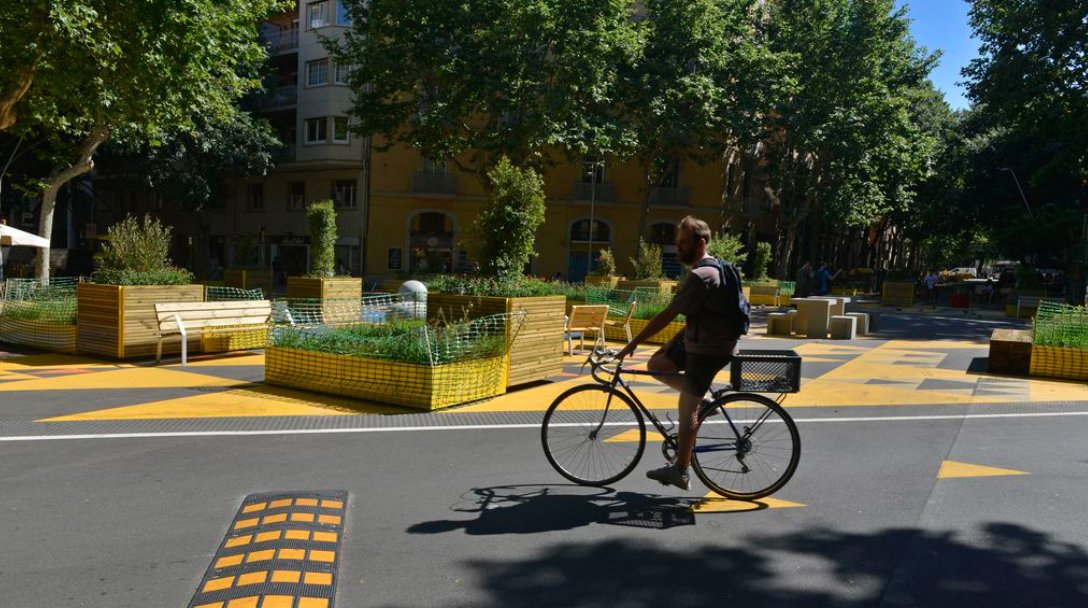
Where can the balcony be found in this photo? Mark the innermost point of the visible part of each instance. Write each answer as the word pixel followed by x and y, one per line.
pixel 434 183
pixel 281 41
pixel 606 192
pixel 676 196
pixel 276 97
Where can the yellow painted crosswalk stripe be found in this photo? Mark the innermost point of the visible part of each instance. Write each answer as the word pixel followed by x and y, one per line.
pixel 713 503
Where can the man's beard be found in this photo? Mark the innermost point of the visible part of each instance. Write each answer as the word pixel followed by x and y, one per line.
pixel 687 257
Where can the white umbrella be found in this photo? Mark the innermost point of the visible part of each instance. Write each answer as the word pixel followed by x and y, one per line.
pixel 10 237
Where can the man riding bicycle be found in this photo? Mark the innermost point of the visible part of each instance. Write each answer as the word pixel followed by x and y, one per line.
pixel 705 347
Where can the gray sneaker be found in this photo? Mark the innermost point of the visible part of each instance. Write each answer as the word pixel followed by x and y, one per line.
pixel 670 475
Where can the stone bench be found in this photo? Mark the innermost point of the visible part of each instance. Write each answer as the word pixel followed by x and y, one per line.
pixel 863 322
pixel 779 324
pixel 843 327
pixel 1010 351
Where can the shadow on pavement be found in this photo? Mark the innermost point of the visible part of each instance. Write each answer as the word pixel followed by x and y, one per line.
pixel 532 509
pixel 907 326
pixel 1001 565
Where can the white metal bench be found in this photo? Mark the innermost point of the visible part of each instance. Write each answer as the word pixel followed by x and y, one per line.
pixel 208 317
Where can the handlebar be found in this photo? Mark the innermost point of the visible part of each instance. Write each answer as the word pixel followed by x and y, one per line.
pixel 599 360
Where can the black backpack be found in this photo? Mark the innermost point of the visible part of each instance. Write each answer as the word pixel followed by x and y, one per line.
pixel 737 308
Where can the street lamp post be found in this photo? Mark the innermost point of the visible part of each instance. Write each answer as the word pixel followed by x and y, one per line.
pixel 1020 190
pixel 592 202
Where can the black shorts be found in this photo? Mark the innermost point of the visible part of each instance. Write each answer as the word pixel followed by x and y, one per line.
pixel 699 370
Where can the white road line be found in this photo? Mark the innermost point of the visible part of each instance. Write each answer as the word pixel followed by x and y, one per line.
pixel 473 427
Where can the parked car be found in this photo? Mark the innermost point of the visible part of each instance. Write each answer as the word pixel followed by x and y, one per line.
pixel 968 271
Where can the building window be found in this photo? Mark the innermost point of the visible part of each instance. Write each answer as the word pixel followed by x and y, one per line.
pixel 316 130
pixel 296 196
pixel 340 129
pixel 342 73
pixel 434 165
pixel 317 73
pixel 343 194
pixel 592 170
pixel 255 197
pixel 318 14
pixel 343 17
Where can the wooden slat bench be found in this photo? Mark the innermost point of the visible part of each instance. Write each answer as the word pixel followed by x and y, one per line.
pixel 183 318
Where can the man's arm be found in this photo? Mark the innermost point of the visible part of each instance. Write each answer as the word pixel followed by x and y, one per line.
pixel 656 324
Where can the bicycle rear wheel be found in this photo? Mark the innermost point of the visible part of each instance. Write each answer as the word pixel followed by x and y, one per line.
pixel 747 447
pixel 593 435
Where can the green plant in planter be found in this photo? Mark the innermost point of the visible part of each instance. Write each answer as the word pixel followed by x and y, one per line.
pixel 761 259
pixel 321 219
pixel 648 263
pixel 726 247
pixel 606 263
pixel 503 235
pixel 137 253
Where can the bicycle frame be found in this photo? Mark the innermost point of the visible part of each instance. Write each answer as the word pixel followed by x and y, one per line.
pixel 670 439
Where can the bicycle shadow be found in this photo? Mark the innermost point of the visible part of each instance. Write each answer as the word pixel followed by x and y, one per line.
pixel 535 508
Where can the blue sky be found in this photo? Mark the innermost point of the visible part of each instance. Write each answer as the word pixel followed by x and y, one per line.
pixel 942 24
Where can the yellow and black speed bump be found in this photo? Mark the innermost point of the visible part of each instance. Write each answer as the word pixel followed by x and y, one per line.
pixel 282 551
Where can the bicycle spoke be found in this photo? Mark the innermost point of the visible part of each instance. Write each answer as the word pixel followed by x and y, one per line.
pixel 577 432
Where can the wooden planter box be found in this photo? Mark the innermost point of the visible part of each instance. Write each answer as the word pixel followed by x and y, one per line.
pixel 119 320
pixel 242 339
pixel 898 294
pixel 249 278
pixel 611 282
pixel 660 286
pixel 537 351
pixel 1058 362
pixel 343 295
pixel 637 325
pixel 39 334
pixel 1026 311
pixel 423 387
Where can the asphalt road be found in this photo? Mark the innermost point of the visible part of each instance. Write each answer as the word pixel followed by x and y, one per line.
pixel 131 514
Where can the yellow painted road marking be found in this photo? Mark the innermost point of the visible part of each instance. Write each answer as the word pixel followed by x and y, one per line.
pixel 714 503
pixel 951 469
pixel 286 576
pixel 125 378
pixel 278 601
pixel 633 435
pixel 218 584
pixel 313 602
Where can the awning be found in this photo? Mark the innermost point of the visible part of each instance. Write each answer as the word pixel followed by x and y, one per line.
pixel 13 237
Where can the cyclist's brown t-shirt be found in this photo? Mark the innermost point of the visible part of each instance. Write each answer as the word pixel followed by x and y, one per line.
pixel 702 302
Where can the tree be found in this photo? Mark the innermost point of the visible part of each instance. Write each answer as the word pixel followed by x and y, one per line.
pixel 505 229
pixel 475 81
pixel 1032 75
pixel 125 70
pixel 842 142
pixel 691 95
pixel 190 165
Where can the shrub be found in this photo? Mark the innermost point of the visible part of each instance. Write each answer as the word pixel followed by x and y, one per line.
pixel 137 253
pixel 606 263
pixel 503 235
pixel 727 247
pixel 761 259
pixel 408 341
pixel 321 218
pixel 648 263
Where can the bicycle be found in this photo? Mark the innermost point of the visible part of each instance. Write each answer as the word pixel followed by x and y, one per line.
pixel 586 431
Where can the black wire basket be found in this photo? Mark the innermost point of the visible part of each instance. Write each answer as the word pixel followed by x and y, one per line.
pixel 766 371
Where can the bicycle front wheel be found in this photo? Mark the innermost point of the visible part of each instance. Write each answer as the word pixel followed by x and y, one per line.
pixel 747 447
pixel 593 435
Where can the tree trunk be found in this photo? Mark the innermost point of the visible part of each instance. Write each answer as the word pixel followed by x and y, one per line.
pixel 731 179
pixel 10 98
pixel 56 180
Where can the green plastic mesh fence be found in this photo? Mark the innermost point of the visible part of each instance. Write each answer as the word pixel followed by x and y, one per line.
pixel 348 311
pixel 648 301
pixel 1060 325
pixel 41 316
pixel 218 293
pixel 400 361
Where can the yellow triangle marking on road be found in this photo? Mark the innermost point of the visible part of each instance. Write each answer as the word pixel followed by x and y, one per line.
pixel 951 469
pixel 714 503
pixel 632 435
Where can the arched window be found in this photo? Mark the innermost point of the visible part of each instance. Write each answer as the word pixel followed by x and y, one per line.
pixel 579 232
